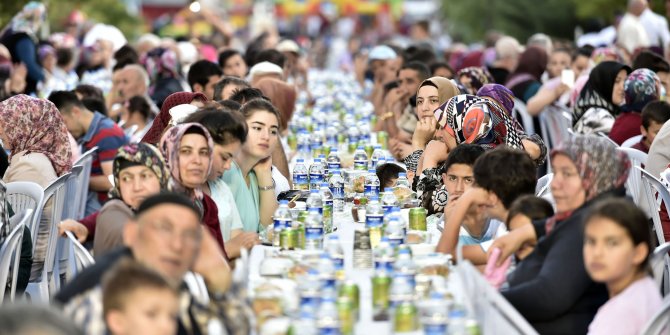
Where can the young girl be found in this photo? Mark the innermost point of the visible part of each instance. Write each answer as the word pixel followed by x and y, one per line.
pixel 617 245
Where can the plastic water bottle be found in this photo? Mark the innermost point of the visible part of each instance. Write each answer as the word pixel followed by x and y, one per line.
pixel 313 230
pixel 327 199
pixel 384 255
pixel 316 140
pixel 304 325
pixel 389 200
pixel 395 231
pixel 326 268
pixel 327 317
pixel 333 160
pixel 314 201
pixel 433 315
pixel 364 129
pixel 353 135
pixel 331 136
pixel 300 176
pixel 403 311
pixel 310 291
pixel 371 184
pixel 360 159
pixel 336 184
pixel 334 249
pixel 377 155
pixel 282 220
pixel 303 144
pixel 404 266
pixel 457 322
pixel 324 167
pixel 402 180
pixel 374 219
pixel 315 174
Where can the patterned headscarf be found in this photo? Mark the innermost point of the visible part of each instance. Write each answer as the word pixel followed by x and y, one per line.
pixel 35 125
pixel 604 54
pixel 28 20
pixel 601 167
pixel 161 63
pixel 161 121
pixel 139 154
pixel 446 89
pixel 500 94
pixel 641 87
pixel 169 146
pixel 478 120
pixel 479 77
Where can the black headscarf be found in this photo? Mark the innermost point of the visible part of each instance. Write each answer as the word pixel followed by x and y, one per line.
pixel 597 91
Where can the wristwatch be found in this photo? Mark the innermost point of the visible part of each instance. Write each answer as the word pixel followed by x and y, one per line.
pixel 267 188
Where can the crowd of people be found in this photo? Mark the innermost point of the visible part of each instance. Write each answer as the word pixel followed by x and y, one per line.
pixel 191 154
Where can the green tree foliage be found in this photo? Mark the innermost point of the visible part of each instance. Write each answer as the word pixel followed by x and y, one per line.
pixel 105 11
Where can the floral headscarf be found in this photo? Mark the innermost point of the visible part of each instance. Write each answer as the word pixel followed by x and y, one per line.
pixel 35 125
pixel 28 20
pixel 479 77
pixel 161 121
pixel 170 148
pixel 500 94
pixel 140 154
pixel 478 120
pixel 601 167
pixel 641 87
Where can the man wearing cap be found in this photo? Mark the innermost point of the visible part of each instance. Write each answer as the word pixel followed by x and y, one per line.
pixel 295 68
pixel 166 236
pixel 384 64
pixel 265 70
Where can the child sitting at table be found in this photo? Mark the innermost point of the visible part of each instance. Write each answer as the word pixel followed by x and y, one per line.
pixel 524 210
pixel 138 300
pixel 388 174
pixel 654 115
pixel 617 245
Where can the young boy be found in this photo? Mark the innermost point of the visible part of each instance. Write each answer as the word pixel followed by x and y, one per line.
pixel 654 115
pixel 388 174
pixel 501 176
pixel 138 300
pixel 524 209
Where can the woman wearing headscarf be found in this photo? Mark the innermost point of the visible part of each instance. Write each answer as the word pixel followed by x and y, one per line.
pixel 20 37
pixel 162 120
pixel 525 81
pixel 599 101
pixel 282 96
pixel 640 88
pixel 188 149
pixel 35 133
pixel 431 94
pixel 473 78
pixel 139 171
pixel 551 287
pixel 163 69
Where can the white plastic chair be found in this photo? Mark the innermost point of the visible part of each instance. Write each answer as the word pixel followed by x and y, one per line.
pixel 633 184
pixel 70 211
pixel 660 265
pixel 659 323
pixel 80 257
pixel 196 285
pixel 23 195
pixel 631 141
pixel 39 289
pixel 606 136
pixel 10 253
pixel 654 192
pixel 543 184
pixel 521 113
pixel 86 161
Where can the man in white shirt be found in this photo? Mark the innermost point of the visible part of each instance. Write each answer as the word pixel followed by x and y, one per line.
pixel 656 27
pixel 631 34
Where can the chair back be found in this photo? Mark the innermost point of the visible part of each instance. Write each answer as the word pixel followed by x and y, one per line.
pixel 660 266
pixel 659 323
pixel 631 141
pixel 655 191
pixel 10 253
pixel 633 184
pixel 543 184
pixel 86 161
pixel 80 257
pixel 24 195
pixel 520 112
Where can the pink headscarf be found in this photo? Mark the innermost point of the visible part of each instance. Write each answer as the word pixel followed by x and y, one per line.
pixel 169 146
pixel 35 125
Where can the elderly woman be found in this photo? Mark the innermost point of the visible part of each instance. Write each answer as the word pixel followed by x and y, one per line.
pixel 139 172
